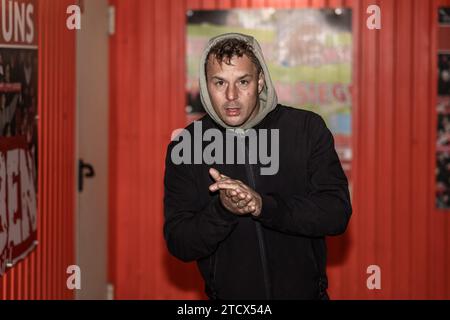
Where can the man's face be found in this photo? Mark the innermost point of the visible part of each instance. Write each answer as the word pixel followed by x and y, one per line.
pixel 234 89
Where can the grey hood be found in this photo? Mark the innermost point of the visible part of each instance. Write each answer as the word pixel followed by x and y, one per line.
pixel 267 98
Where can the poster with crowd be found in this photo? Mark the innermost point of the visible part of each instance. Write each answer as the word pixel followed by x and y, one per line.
pixel 443 112
pixel 18 130
pixel 308 52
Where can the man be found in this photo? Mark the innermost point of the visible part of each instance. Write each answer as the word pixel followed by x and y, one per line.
pixel 253 235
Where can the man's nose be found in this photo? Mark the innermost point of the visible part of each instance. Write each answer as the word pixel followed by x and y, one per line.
pixel 231 93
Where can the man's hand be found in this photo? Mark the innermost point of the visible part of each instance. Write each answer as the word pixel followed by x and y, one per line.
pixel 236 196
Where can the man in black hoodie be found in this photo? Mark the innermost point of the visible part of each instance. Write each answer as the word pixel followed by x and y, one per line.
pixel 256 231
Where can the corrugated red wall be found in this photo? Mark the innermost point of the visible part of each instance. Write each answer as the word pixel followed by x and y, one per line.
pixel 147 103
pixel 42 275
pixel 395 224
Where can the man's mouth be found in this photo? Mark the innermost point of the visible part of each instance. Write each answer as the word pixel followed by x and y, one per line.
pixel 233 112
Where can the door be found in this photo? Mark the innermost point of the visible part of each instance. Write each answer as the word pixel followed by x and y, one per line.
pixel 92 125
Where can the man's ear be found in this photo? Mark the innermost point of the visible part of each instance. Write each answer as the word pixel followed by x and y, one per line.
pixel 261 82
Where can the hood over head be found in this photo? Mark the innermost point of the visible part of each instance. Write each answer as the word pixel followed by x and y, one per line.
pixel 267 98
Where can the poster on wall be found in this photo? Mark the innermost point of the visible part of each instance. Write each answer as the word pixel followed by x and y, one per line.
pixel 443 111
pixel 18 130
pixel 308 52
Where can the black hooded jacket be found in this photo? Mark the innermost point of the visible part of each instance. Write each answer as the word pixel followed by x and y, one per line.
pixel 280 254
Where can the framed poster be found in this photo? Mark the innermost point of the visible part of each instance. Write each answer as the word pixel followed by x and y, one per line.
pixel 308 52
pixel 18 130
pixel 443 112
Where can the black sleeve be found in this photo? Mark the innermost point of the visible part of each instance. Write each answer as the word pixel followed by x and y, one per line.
pixel 191 232
pixel 326 208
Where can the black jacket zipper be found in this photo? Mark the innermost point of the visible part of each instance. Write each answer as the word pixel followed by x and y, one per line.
pixel 213 268
pixel 259 233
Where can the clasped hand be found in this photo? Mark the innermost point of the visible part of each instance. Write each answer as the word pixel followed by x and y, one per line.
pixel 235 195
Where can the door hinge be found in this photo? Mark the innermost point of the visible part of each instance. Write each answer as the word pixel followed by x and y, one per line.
pixel 111 20
pixel 109 291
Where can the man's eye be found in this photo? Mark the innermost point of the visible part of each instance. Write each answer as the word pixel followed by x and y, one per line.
pixel 219 83
pixel 244 82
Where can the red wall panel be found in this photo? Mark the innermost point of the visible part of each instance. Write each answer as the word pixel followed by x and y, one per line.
pixel 394 226
pixel 42 275
pixel 147 103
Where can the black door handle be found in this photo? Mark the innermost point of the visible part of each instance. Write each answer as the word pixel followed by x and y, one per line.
pixel 85 170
